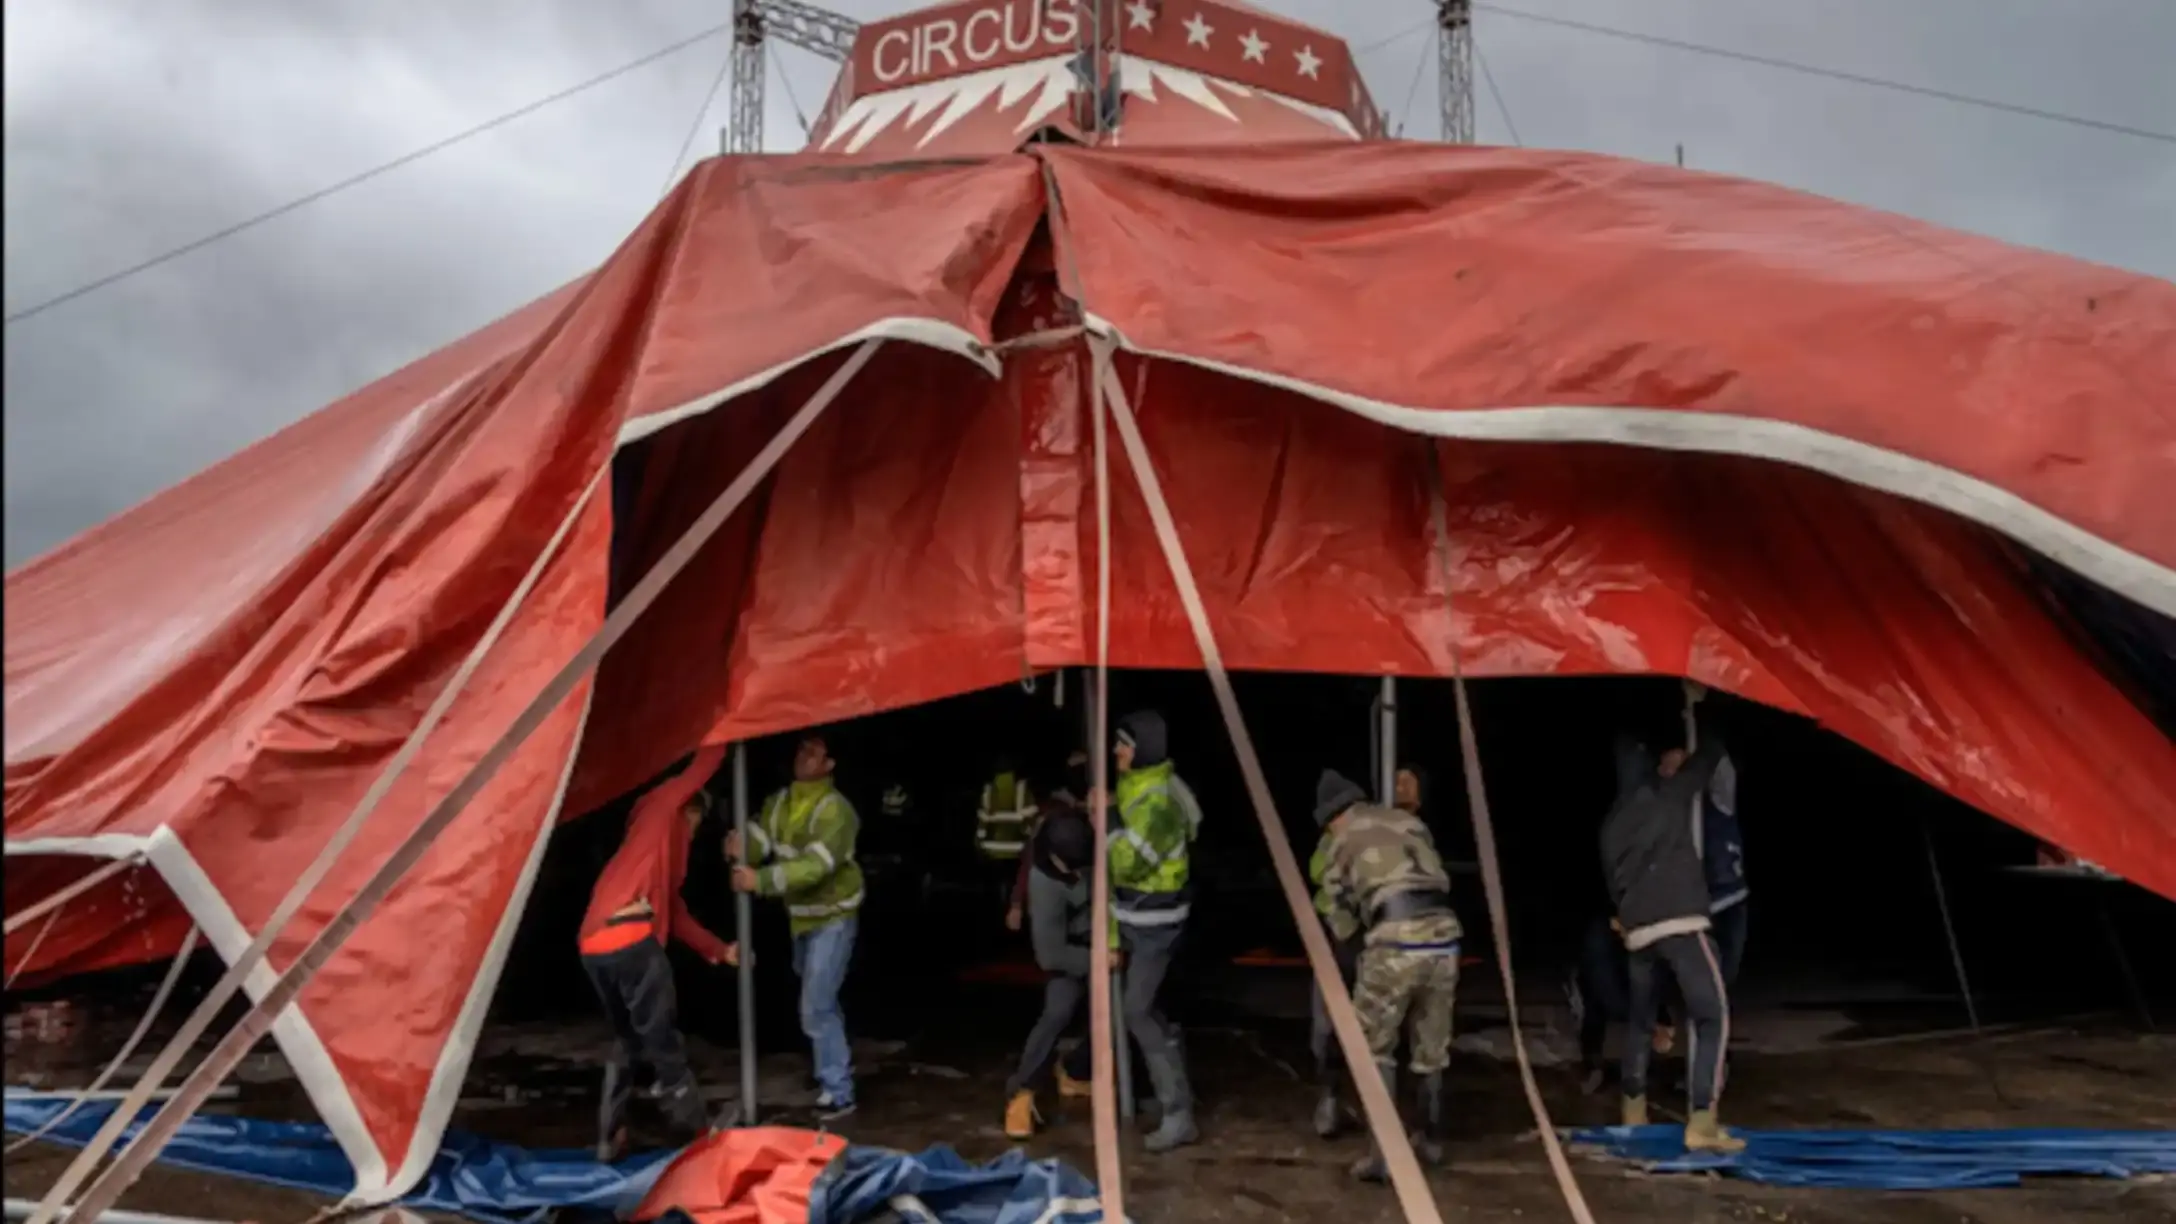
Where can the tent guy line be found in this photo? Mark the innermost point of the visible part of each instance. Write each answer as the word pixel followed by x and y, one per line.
pixel 1837 74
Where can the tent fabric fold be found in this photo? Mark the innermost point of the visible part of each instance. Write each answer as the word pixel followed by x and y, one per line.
pixel 1575 366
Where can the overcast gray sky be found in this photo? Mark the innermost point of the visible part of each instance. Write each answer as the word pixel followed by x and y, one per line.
pixel 134 126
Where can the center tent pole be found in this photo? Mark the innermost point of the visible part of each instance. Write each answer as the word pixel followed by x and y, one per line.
pixel 744 931
pixel 1091 719
pixel 1386 736
pixel 221 1061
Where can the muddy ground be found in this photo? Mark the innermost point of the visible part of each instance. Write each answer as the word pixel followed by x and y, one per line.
pixel 1260 1162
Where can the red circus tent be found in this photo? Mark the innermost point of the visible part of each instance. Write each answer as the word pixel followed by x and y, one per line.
pixel 1669 422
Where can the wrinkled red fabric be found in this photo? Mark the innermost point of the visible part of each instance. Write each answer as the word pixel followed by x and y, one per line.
pixel 757 1175
pixel 218 675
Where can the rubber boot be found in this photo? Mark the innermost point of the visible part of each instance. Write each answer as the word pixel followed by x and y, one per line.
pixel 684 1108
pixel 1176 1129
pixel 1704 1134
pixel 1635 1111
pixel 1428 1139
pixel 1329 1112
pixel 1074 1089
pixel 612 1112
pixel 1371 1167
pixel 1020 1116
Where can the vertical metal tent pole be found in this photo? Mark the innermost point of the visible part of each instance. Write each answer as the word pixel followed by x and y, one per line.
pixel 1091 717
pixel 744 930
pixel 1949 928
pixel 1386 740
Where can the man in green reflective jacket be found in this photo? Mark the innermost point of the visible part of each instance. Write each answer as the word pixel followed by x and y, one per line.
pixel 801 851
pixel 1151 896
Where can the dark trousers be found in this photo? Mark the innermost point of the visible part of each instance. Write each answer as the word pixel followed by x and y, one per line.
pixel 1062 999
pixel 1604 992
pixel 1321 1041
pixel 1729 933
pixel 1150 951
pixel 635 985
pixel 1691 962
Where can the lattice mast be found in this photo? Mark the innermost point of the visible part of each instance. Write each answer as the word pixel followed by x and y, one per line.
pixel 801 25
pixel 1454 81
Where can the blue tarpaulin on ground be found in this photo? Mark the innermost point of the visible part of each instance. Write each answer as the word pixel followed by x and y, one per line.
pixel 471 1176
pixel 497 1183
pixel 938 1186
pixel 1897 1160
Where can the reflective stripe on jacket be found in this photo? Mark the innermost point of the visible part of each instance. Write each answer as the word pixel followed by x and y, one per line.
pixel 1005 819
pixel 803 847
pixel 1149 860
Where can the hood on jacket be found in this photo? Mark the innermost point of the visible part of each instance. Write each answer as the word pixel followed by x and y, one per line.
pixel 1144 729
pixel 1334 793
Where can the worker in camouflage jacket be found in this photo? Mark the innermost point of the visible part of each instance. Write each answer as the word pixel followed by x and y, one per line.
pixel 801 851
pixel 1385 884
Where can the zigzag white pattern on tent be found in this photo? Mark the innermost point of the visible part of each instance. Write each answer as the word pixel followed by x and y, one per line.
pixel 1052 82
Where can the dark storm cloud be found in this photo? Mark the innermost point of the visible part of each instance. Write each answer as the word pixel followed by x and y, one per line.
pixel 136 125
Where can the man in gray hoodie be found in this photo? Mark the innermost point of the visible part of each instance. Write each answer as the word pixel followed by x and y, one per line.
pixel 1658 885
pixel 1061 860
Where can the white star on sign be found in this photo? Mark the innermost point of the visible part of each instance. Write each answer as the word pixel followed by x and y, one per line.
pixel 1198 32
pixel 1310 63
pixel 1253 46
pixel 1140 16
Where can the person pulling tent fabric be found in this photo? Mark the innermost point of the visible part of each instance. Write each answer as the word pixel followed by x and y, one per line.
pixel 1061 857
pixel 801 851
pixel 635 909
pixel 1152 895
pixel 1658 886
pixel 1387 888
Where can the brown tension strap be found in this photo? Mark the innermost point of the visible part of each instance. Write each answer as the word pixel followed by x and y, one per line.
pixel 230 1051
pixel 44 905
pixel 1484 840
pixel 1414 1196
pixel 1104 1053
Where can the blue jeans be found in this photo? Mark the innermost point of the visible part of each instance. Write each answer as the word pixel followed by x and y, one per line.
pixel 820 958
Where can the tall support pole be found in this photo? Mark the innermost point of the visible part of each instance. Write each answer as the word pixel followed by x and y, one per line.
pixel 744 930
pixel 1091 718
pixel 1949 928
pixel 1454 81
pixel 1386 740
pixel 746 134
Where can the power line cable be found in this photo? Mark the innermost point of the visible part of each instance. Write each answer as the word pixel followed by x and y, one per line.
pixel 1405 113
pixel 1498 94
pixel 800 116
pixel 321 193
pixel 1835 74
pixel 695 125
pixel 1400 36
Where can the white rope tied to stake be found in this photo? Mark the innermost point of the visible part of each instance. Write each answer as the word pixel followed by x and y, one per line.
pixel 1484 840
pixel 1414 1197
pixel 329 939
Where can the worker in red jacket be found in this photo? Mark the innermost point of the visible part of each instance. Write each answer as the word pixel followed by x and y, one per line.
pixel 634 911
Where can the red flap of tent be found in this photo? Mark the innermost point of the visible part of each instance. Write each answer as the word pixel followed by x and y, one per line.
pixel 216 677
pixel 1532 295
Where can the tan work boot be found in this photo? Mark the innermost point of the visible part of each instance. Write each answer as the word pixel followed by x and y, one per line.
pixel 1704 1134
pixel 1075 1089
pixel 1020 1116
pixel 1635 1111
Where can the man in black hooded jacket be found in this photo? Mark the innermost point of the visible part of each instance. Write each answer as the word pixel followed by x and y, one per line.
pixel 1659 887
